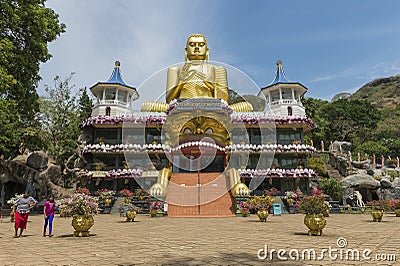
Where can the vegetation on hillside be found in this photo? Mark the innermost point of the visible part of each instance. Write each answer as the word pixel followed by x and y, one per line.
pixel 383 92
pixel 369 119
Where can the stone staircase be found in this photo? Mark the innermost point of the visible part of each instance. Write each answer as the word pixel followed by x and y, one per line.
pixel 114 209
pixel 199 195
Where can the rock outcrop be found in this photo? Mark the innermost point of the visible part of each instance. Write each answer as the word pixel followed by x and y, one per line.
pixel 33 171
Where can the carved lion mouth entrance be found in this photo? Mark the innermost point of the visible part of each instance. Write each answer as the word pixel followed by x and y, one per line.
pixel 201 146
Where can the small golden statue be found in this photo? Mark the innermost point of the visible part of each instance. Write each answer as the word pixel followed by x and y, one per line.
pixel 196 79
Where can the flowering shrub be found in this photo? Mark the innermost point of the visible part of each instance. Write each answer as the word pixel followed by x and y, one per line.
pixel 78 204
pixel 312 205
pixel 395 204
pixel 381 204
pixel 123 207
pixel 105 193
pixel 291 195
pixel 83 190
pixel 14 199
pixel 126 193
pixel 245 206
pixel 272 192
pixel 157 205
pixel 316 191
pixel 261 202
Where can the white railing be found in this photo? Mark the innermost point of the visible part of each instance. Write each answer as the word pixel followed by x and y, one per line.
pixel 286 101
pixel 114 102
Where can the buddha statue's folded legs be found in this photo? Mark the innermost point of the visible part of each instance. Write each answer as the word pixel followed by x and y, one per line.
pixel 160 188
pixel 237 187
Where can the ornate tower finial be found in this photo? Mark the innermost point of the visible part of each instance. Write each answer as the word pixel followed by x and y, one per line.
pixel 279 63
pixel 117 64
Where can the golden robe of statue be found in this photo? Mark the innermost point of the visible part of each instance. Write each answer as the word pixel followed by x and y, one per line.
pixel 196 78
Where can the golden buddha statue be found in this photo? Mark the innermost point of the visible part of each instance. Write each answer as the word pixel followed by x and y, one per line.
pixel 196 79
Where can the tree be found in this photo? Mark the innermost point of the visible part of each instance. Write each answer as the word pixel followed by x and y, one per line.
pixel 318 165
pixel 350 120
pixel 15 136
pixel 331 187
pixel 85 105
pixel 372 147
pixel 59 118
pixel 313 111
pixel 26 28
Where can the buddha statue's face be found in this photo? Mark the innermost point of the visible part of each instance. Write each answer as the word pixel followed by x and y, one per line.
pixel 196 47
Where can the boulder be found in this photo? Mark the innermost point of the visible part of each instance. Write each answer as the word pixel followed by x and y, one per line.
pixel 392 193
pixel 20 159
pixel 385 182
pixel 396 182
pixel 361 181
pixel 52 173
pixel 362 164
pixel 38 160
pixel 344 145
pixel 370 172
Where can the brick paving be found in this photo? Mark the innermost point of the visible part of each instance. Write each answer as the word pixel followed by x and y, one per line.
pixel 195 241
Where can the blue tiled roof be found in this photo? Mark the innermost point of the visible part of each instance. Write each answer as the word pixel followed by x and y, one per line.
pixel 116 77
pixel 280 76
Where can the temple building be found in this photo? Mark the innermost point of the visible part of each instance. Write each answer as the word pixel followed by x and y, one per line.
pixel 197 151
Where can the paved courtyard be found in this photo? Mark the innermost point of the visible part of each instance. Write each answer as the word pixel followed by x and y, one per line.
pixel 202 241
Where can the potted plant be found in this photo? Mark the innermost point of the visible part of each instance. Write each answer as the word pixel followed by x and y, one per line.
pixel 81 207
pixel 105 195
pixel 272 192
pixel 141 194
pixel 244 208
pixel 261 205
pixel 377 208
pixel 314 208
pixel 127 194
pixel 290 197
pixel 155 207
pixel 129 210
pixel 395 204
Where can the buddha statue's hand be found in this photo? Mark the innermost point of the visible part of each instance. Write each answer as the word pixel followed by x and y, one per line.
pixel 157 190
pixel 210 86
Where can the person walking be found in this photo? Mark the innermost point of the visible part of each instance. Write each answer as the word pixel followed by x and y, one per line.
pixel 48 212
pixel 21 209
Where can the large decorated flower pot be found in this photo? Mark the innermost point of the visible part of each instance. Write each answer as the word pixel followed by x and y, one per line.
pixel 397 212
pixel 107 201
pixel 290 201
pixel 315 223
pixel 262 215
pixel 82 224
pixel 377 215
pixel 153 213
pixel 244 213
pixel 130 216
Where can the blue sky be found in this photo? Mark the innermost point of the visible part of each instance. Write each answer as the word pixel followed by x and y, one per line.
pixel 329 46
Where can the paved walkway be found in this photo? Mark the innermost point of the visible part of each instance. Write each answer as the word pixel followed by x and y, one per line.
pixel 202 241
